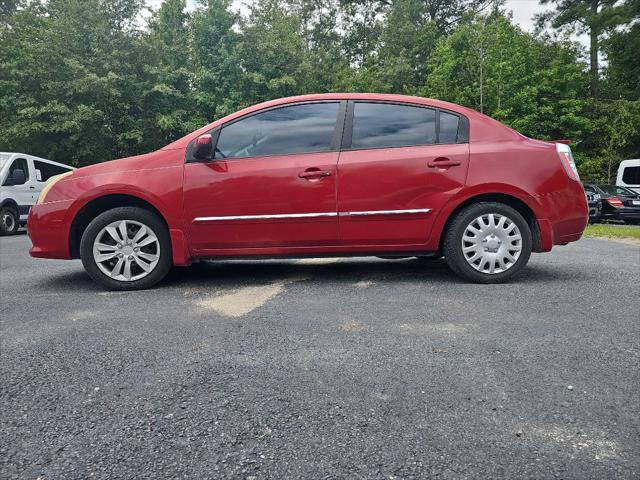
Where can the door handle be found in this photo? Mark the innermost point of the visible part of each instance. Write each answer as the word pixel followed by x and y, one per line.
pixel 314 174
pixel 32 187
pixel 442 162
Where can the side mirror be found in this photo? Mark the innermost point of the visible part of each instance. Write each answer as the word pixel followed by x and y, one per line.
pixel 203 147
pixel 18 177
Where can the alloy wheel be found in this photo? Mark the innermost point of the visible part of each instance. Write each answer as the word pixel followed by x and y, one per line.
pixel 126 250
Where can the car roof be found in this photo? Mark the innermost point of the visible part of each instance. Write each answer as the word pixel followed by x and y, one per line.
pixel 33 157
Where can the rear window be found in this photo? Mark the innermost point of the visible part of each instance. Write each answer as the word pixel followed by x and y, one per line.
pixel 631 175
pixel 615 190
pixel 44 171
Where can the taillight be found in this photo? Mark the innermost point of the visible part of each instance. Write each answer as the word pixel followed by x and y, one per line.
pixel 564 152
pixel 614 202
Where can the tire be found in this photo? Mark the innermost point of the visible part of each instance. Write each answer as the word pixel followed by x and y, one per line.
pixel 152 250
pixel 9 221
pixel 492 244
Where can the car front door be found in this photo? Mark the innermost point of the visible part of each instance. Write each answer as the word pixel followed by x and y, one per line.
pixel 399 165
pixel 271 181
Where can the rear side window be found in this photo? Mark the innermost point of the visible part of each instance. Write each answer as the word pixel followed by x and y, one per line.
pixel 448 128
pixel 378 125
pixel 631 175
pixel 44 171
pixel 294 129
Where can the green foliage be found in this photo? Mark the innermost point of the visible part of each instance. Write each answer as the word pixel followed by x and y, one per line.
pixel 83 81
pixel 596 17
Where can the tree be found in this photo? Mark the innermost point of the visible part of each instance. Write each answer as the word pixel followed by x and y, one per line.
pixel 272 53
pixel 594 17
pixel 83 110
pixel 213 44
pixel 623 69
pixel 167 97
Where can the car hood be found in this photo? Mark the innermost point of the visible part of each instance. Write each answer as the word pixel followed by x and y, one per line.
pixel 137 162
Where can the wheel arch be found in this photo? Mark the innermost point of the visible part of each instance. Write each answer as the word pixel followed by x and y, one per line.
pixel 99 205
pixel 513 200
pixel 10 202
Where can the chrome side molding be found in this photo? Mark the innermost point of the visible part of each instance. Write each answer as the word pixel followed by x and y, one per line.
pixel 386 212
pixel 264 217
pixel 312 215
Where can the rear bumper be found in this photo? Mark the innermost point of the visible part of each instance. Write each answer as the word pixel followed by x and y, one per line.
pixel 48 230
pixel 568 217
pixel 623 214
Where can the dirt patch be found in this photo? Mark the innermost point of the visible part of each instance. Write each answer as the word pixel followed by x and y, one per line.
pixel 242 301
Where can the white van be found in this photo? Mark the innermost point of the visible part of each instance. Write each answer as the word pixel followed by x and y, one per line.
pixel 629 174
pixel 22 178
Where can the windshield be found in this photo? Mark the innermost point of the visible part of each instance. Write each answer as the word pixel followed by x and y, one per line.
pixel 3 158
pixel 614 190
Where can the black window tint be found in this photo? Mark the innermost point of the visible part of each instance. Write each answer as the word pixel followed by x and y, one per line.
pixel 448 128
pixel 47 170
pixel 294 129
pixel 389 125
pixel 19 164
pixel 631 175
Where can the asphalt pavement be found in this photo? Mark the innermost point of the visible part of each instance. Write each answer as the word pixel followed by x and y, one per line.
pixel 332 368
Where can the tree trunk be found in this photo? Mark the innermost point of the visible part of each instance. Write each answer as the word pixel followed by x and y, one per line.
pixel 593 51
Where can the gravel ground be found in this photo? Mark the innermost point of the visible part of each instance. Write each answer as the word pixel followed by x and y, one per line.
pixel 348 368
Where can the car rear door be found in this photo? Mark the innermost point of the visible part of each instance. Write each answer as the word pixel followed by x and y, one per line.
pixel 399 165
pixel 272 182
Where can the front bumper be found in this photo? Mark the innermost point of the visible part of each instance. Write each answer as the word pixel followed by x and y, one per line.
pixel 48 230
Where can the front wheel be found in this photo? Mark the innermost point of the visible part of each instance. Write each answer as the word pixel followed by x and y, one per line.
pixel 488 242
pixel 127 248
pixel 9 221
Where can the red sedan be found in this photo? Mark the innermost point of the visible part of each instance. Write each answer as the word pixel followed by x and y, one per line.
pixel 330 174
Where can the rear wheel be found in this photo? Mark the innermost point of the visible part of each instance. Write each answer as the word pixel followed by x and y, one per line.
pixel 126 248
pixel 9 221
pixel 488 242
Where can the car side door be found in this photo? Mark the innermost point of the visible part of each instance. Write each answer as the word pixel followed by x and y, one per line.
pixel 271 182
pixel 399 165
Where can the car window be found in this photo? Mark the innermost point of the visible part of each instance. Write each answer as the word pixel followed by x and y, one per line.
pixel 378 125
pixel 19 164
pixel 47 170
pixel 293 129
pixel 589 189
pixel 614 190
pixel 448 127
pixel 631 175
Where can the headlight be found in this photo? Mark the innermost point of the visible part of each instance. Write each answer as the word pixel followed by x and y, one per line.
pixel 52 181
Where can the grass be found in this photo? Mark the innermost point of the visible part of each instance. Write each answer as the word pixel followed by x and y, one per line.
pixel 613 231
